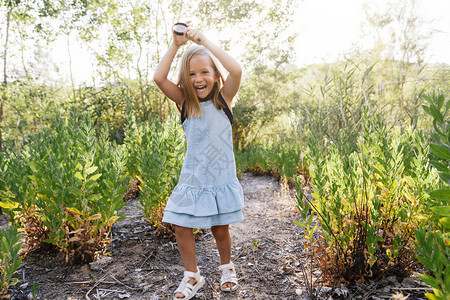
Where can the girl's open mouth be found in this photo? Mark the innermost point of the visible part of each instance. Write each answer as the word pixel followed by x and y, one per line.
pixel 200 88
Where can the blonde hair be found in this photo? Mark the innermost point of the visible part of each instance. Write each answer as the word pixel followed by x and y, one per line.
pixel 192 104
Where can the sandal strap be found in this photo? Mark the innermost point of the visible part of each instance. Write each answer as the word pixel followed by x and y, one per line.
pixel 190 274
pixel 185 287
pixel 188 288
pixel 227 275
pixel 182 286
pixel 226 267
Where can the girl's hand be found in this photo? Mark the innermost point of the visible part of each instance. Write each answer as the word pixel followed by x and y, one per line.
pixel 195 35
pixel 180 40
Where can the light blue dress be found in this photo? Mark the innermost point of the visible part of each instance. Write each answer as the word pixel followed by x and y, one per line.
pixel 208 192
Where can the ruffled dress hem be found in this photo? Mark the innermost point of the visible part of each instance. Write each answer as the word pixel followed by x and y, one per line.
pixel 206 201
pixel 188 221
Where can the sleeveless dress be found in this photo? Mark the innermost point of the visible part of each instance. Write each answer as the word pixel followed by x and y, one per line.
pixel 208 192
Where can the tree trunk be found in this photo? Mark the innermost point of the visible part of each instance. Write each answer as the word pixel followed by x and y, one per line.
pixel 70 66
pixel 5 78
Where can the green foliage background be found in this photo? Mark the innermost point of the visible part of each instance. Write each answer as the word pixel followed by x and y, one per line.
pixel 280 108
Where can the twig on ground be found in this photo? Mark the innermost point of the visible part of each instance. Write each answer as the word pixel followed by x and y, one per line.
pixel 95 285
pixel 209 284
pixel 239 255
pixel 412 289
pixel 205 235
pixel 80 282
pixel 128 287
pixel 102 280
pixel 112 291
pixel 145 260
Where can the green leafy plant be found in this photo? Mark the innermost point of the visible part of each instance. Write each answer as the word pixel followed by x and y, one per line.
pixel 17 197
pixel 34 290
pixel 284 161
pixel 158 150
pixel 9 260
pixel 433 240
pixel 433 251
pixel 368 202
pixel 311 244
pixel 75 183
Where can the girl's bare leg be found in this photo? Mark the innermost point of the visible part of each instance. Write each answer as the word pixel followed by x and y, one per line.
pixel 186 246
pixel 223 241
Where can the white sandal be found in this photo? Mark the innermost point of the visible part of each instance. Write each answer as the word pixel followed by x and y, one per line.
pixel 188 290
pixel 228 275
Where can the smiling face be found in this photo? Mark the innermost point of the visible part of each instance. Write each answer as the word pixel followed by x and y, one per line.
pixel 202 75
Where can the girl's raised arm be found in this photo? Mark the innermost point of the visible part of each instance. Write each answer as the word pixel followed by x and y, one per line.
pixel 170 89
pixel 233 81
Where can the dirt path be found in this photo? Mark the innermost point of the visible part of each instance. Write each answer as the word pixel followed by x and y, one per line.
pixel 144 266
pixel 266 250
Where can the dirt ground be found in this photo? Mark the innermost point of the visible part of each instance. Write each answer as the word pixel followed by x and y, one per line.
pixel 267 251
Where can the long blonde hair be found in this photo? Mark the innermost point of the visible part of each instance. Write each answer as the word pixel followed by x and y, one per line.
pixel 192 104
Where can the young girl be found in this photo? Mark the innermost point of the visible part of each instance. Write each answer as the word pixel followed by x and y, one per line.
pixel 208 194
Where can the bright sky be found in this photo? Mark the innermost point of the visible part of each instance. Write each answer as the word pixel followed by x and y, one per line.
pixel 327 29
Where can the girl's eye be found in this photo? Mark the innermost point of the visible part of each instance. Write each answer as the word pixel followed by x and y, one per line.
pixel 205 72
pixel 191 74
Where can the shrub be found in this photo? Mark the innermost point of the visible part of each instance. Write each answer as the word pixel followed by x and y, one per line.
pixel 433 246
pixel 158 153
pixel 67 186
pixel 283 161
pixel 17 196
pixel 368 202
pixel 9 260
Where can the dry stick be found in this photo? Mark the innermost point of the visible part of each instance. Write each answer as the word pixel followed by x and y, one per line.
pixel 145 260
pixel 128 287
pixel 209 284
pixel 90 281
pixel 111 291
pixel 112 276
pixel 80 282
pixel 95 285
pixel 308 280
pixel 367 295
pixel 242 252
pixel 209 233
pixel 308 283
pixel 412 289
